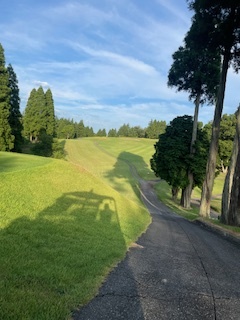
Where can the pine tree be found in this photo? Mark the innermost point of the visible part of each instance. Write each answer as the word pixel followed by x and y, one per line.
pixel 15 118
pixel 30 120
pixel 6 137
pixel 42 111
pixel 50 113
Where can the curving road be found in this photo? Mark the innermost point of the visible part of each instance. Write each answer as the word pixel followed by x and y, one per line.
pixel 176 270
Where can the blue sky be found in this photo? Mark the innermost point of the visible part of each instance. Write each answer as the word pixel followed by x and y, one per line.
pixel 106 61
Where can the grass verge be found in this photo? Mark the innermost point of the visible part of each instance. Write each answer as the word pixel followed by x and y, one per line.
pixel 61 230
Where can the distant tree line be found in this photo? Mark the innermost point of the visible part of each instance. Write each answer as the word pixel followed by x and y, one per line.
pixel 70 129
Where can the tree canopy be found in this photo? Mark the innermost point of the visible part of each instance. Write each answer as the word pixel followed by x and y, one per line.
pixel 6 136
pixel 172 159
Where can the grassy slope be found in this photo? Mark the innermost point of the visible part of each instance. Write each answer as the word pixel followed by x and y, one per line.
pixel 62 228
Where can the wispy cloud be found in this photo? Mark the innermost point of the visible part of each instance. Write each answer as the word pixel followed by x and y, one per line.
pixel 106 62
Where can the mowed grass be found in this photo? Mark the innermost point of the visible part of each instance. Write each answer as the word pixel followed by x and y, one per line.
pixel 111 159
pixel 163 191
pixel 62 229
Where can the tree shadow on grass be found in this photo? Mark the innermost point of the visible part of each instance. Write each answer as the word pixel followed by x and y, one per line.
pixel 56 262
pixel 125 172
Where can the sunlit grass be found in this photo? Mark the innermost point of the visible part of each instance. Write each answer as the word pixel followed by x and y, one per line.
pixel 62 229
pixel 111 158
pixel 164 193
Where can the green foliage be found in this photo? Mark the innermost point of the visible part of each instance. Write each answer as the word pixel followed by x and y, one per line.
pixel 124 130
pixel 217 26
pixel 68 129
pixel 15 118
pixel 172 159
pixel 112 133
pixel 196 72
pixel 58 149
pixel 155 128
pixel 50 114
pixel 226 137
pixel 6 136
pixel 39 114
pixel 101 133
pixel 43 147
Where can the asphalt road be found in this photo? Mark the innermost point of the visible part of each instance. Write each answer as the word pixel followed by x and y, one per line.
pixel 177 270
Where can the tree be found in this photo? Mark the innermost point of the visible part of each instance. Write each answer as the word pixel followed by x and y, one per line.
pixel 155 128
pixel 196 71
pixel 81 129
pixel 112 133
pixel 230 212
pixel 6 136
pixel 101 133
pixel 136 132
pixel 216 28
pixel 89 132
pixel 172 159
pixel 30 119
pixel 39 114
pixel 50 114
pixel 123 131
pixel 226 138
pixel 15 117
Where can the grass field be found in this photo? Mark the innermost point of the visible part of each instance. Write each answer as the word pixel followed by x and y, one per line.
pixel 63 226
pixel 109 159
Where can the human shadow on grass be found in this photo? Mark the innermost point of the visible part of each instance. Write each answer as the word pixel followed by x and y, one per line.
pixel 125 172
pixel 54 263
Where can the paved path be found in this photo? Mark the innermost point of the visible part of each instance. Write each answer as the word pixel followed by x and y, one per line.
pixel 177 270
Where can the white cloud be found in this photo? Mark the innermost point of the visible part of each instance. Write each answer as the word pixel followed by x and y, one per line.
pixel 43 84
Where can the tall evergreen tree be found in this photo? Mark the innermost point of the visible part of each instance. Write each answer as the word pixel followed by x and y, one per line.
pixel 172 159
pixel 50 125
pixel 42 111
pixel 39 114
pixel 6 137
pixel 195 70
pixel 216 27
pixel 15 118
pixel 81 129
pixel 30 120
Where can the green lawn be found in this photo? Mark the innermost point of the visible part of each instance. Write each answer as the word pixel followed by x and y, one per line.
pixel 63 227
pixel 164 193
pixel 65 224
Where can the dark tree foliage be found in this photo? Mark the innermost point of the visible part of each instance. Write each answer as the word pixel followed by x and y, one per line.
pixel 172 159
pixel 50 113
pixel 15 117
pixel 216 26
pixel 39 114
pixel 196 71
pixel 6 136
pixel 31 117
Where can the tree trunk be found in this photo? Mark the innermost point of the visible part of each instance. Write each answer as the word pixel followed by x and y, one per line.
pixel 234 204
pixel 175 191
pixel 187 192
pixel 228 184
pixel 213 150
